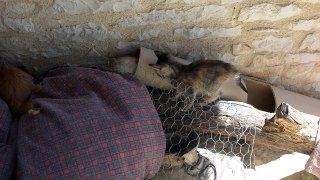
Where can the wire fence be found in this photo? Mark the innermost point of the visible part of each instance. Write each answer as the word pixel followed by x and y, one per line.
pixel 229 149
pixel 199 146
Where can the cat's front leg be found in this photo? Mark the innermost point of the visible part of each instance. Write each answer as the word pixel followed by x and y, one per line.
pixel 210 98
pixel 177 95
pixel 180 89
pixel 189 101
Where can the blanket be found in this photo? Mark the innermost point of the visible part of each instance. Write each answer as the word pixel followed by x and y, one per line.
pixel 8 148
pixel 313 164
pixel 94 124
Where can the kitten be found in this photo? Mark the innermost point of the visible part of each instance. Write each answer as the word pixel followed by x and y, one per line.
pixel 201 78
pixel 125 64
pixel 16 88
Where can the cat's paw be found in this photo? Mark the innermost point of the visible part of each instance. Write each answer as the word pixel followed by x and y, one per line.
pixel 33 112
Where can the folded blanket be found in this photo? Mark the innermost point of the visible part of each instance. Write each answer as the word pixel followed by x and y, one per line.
pixel 313 164
pixel 94 124
pixel 8 150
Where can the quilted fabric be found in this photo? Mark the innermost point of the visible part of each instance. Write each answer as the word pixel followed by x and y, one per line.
pixel 313 164
pixel 93 124
pixel 7 142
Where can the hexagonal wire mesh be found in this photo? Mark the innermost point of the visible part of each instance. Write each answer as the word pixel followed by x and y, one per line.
pixel 228 148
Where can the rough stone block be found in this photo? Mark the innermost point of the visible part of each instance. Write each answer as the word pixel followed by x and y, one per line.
pixel 312 1
pixel 21 10
pixel 14 43
pixel 93 6
pixel 303 58
pixel 2 27
pixel 44 38
pixel 226 32
pixel 86 32
pixel 192 15
pixel 299 73
pixel 21 25
pixel 268 60
pixel 13 56
pixel 190 1
pixel 54 22
pixel 264 30
pixel 316 86
pixel 194 33
pixel 311 79
pixel 51 52
pixel 270 74
pixel 311 42
pixel 194 1
pixel 224 2
pixel 194 56
pixel 269 12
pixel 73 6
pixel 119 5
pixel 198 33
pixel 148 34
pixel 241 49
pixel 235 60
pixel 273 44
pixel 306 25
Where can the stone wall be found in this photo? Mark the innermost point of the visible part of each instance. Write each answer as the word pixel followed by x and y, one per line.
pixel 277 41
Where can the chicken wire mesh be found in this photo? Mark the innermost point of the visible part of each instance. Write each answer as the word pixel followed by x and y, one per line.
pixel 229 149
pixel 218 139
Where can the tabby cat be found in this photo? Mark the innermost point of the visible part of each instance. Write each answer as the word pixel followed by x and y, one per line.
pixel 202 78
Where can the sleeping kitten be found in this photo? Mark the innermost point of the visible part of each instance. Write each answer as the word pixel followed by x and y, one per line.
pixel 16 89
pixel 201 78
pixel 125 64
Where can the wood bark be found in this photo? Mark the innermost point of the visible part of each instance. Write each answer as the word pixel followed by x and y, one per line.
pixel 228 117
pixel 222 116
pixel 309 123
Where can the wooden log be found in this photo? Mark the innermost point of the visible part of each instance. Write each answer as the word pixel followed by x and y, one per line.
pixel 223 116
pixel 309 123
pixel 227 117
